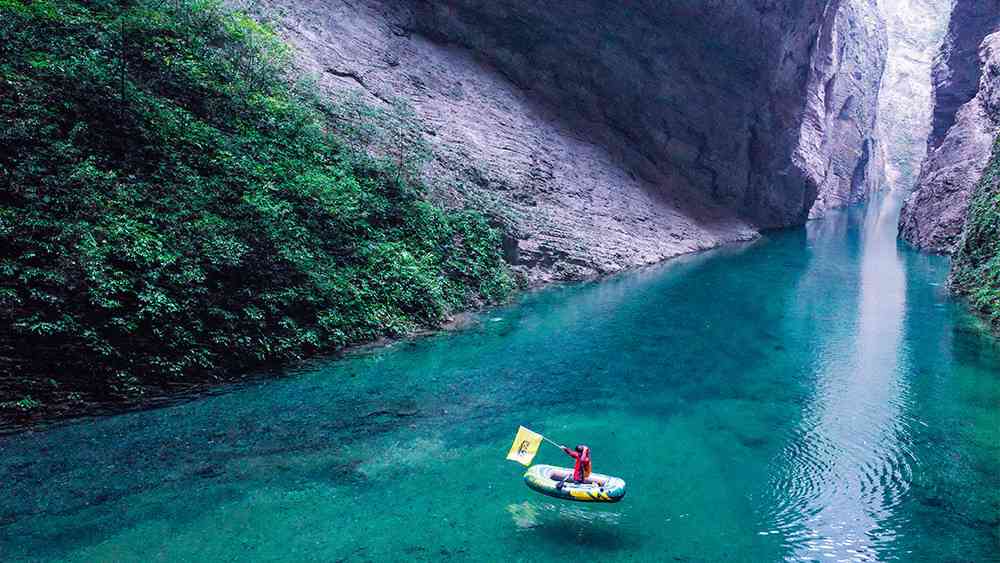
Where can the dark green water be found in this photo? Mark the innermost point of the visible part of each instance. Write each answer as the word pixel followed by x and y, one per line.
pixel 815 395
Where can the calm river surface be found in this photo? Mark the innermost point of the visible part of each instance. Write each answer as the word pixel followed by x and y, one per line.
pixel 815 395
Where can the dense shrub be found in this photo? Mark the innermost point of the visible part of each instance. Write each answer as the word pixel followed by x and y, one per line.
pixel 170 203
pixel 976 266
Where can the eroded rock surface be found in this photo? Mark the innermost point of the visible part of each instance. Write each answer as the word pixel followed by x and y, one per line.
pixel 840 119
pixel 934 215
pixel 609 135
pixel 958 66
pixel 916 29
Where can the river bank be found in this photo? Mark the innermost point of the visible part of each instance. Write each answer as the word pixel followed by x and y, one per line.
pixel 67 408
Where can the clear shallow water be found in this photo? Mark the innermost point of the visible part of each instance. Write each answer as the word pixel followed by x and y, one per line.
pixel 815 395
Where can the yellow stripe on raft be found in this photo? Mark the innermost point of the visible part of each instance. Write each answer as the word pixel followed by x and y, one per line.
pixel 597 488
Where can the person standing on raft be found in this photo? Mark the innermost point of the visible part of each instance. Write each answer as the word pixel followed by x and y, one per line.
pixel 581 469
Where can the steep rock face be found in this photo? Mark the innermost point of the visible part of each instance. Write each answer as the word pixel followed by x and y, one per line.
pixel 847 70
pixel 934 215
pixel 723 99
pixel 572 209
pixel 916 30
pixel 957 68
pixel 609 135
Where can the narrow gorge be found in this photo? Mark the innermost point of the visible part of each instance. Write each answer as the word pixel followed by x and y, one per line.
pixel 281 279
pixel 602 138
pixel 516 144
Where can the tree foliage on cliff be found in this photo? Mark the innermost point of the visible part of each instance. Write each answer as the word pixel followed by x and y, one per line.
pixel 976 269
pixel 170 203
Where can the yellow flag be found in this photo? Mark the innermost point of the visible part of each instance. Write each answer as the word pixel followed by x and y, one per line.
pixel 525 446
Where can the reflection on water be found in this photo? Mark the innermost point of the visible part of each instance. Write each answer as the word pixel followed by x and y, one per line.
pixel 849 463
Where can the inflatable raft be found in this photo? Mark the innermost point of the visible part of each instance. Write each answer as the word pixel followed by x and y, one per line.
pixel 598 488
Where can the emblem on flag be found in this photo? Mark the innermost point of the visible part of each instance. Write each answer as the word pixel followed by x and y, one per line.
pixel 525 446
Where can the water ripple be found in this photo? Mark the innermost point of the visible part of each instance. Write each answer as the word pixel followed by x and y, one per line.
pixel 850 463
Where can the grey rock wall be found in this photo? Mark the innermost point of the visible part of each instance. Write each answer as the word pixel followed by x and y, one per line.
pixel 608 135
pixel 958 67
pixel 762 105
pixel 933 217
pixel 916 30
pixel 840 122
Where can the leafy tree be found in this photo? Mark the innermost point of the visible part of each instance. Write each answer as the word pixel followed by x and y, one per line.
pixel 174 208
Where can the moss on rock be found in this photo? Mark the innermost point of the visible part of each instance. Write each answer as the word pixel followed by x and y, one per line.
pixel 976 266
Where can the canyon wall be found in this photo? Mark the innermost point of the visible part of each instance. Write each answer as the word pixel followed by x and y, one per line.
pixel 966 119
pixel 839 128
pixel 958 67
pixel 608 135
pixel 916 29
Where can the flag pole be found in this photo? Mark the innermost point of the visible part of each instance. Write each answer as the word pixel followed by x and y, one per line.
pixel 560 446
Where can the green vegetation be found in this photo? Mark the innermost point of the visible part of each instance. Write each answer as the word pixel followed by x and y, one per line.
pixel 976 268
pixel 173 207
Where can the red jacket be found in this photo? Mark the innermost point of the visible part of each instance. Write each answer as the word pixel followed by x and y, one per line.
pixel 581 469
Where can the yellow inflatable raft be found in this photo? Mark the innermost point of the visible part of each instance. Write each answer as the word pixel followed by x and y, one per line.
pixel 598 488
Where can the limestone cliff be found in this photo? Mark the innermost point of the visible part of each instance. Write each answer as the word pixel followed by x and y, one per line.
pixel 916 30
pixel 966 120
pixel 958 67
pixel 846 74
pixel 606 135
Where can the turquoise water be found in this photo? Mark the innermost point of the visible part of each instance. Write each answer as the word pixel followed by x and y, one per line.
pixel 815 395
